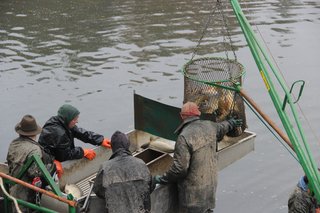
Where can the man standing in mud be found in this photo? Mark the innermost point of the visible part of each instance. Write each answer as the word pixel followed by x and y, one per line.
pixel 194 167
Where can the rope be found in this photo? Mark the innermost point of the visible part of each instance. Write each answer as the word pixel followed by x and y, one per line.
pixel 279 70
pixel 11 197
pixel 204 30
pixel 270 130
pixel 226 24
pixel 284 79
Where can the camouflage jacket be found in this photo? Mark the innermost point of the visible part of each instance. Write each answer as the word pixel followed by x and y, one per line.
pixel 301 202
pixel 20 150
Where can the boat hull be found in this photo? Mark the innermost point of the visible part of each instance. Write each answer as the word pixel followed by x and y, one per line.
pixel 164 197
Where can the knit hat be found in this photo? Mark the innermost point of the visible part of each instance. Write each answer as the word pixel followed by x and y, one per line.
pixel 28 126
pixel 190 109
pixel 119 140
pixel 68 112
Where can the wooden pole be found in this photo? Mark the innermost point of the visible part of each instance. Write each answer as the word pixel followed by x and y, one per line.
pixel 30 186
pixel 266 118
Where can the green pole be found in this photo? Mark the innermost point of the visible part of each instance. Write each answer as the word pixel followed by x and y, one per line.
pixel 305 156
pixel 71 208
pixel 7 201
pixel 35 207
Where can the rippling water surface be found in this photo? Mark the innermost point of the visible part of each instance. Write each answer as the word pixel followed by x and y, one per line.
pixel 95 54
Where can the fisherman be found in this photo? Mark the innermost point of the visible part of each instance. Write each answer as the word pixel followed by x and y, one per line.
pixel 301 199
pixel 194 167
pixel 20 150
pixel 124 181
pixel 58 135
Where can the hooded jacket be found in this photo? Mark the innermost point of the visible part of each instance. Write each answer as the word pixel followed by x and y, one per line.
pixel 58 139
pixel 124 182
pixel 194 166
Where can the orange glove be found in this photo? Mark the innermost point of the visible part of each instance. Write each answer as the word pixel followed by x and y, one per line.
pixel 317 210
pixel 106 143
pixel 89 153
pixel 59 168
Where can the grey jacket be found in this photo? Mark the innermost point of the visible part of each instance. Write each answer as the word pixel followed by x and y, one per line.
pixel 195 164
pixel 19 151
pixel 125 183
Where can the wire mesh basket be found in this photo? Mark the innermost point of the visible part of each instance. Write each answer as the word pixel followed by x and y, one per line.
pixel 210 83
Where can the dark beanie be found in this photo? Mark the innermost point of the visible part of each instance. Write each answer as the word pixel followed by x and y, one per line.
pixel 119 140
pixel 68 112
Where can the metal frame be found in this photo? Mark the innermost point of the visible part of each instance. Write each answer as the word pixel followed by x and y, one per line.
pixel 298 140
pixel 9 180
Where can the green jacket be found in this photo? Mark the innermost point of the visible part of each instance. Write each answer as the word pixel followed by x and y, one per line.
pixel 19 151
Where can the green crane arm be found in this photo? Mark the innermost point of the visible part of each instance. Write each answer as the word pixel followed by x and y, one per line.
pixel 300 145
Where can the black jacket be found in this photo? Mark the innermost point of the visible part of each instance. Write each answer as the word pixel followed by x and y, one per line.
pixel 58 139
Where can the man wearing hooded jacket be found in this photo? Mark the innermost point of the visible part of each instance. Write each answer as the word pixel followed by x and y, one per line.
pixel 194 167
pixel 58 133
pixel 124 182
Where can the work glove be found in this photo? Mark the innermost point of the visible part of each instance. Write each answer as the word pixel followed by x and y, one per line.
pixel 157 179
pixel 89 153
pixel 59 168
pixel 106 143
pixel 235 122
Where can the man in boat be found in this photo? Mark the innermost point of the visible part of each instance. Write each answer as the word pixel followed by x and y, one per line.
pixel 301 200
pixel 124 182
pixel 194 167
pixel 58 133
pixel 20 149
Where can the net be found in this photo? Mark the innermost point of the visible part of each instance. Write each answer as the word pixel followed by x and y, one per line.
pixel 210 83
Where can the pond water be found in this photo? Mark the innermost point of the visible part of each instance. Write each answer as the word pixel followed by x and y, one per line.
pixel 96 54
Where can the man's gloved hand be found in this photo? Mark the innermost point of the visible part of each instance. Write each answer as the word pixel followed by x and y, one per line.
pixel 59 168
pixel 89 153
pixel 106 143
pixel 235 122
pixel 157 179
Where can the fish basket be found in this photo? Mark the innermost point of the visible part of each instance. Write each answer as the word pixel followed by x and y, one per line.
pixel 210 83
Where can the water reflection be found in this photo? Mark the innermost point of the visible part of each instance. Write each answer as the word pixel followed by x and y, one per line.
pixel 61 38
pixel 61 42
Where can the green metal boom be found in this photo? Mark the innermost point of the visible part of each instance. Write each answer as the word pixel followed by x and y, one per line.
pixel 301 147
